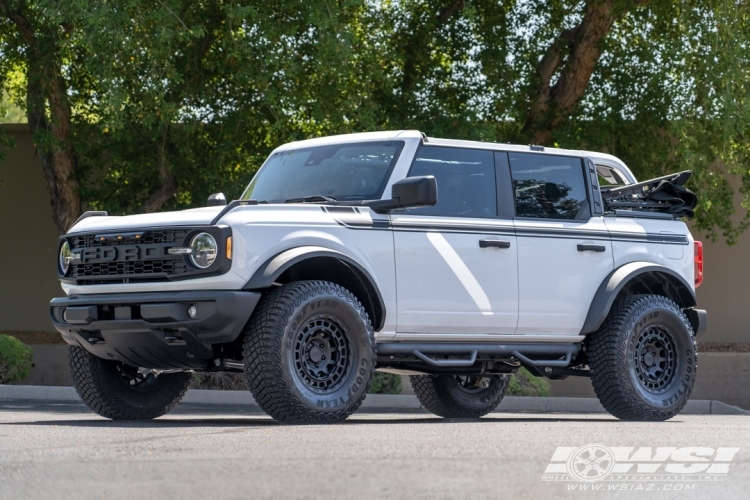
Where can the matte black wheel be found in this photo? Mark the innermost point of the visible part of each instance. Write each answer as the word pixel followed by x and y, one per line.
pixel 309 353
pixel 459 396
pixel 643 359
pixel 121 392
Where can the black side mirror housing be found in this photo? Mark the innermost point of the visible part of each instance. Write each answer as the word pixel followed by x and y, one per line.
pixel 216 200
pixel 409 192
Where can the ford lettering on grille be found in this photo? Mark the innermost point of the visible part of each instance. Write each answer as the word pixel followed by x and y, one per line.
pixel 122 253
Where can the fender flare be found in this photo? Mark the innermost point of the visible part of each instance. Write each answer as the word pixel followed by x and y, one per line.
pixel 616 280
pixel 270 270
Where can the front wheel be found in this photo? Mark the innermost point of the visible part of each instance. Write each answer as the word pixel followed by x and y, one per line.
pixel 459 396
pixel 309 353
pixel 121 392
pixel 643 359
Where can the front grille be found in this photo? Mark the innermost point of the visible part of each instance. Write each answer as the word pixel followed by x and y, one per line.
pixel 171 236
pixel 150 263
pixel 157 266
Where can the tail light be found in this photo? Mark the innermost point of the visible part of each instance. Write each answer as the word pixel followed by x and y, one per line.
pixel 698 256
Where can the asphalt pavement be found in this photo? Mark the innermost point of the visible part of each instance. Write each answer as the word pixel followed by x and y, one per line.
pixel 62 450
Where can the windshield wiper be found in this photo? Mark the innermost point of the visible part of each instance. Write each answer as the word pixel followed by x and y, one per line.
pixel 311 199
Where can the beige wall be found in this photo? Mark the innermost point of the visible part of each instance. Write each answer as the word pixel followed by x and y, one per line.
pixel 29 278
pixel 725 292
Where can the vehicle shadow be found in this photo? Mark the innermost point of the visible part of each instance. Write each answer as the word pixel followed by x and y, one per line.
pixel 263 421
pixel 198 415
pixel 258 420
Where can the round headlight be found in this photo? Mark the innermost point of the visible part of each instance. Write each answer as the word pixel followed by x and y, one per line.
pixel 65 258
pixel 204 250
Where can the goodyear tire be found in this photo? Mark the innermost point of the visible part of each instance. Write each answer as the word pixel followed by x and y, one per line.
pixel 643 359
pixel 309 353
pixel 117 391
pixel 454 396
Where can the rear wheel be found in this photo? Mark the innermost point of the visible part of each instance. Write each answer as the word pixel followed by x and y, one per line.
pixel 121 392
pixel 643 359
pixel 459 396
pixel 309 353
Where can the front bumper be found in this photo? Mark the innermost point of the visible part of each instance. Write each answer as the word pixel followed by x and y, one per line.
pixel 153 330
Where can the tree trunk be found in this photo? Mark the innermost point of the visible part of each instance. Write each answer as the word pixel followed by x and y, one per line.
pixel 52 137
pixel 46 95
pixel 169 185
pixel 573 56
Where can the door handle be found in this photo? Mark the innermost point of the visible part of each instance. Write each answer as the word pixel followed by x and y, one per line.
pixel 494 243
pixel 582 247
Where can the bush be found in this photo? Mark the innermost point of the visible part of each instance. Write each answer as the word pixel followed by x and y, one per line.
pixel 523 383
pixel 386 383
pixel 15 360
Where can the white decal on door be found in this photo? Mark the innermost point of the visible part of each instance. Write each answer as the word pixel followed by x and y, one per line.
pixel 462 272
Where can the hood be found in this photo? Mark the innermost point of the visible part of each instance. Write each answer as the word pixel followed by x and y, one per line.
pixel 195 216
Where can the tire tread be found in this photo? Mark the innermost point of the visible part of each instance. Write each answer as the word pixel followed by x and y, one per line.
pixel 91 384
pixel 608 359
pixel 432 394
pixel 262 352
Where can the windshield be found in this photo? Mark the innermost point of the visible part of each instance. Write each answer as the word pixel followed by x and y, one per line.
pixel 357 171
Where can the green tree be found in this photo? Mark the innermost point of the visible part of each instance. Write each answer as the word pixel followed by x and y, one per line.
pixel 659 84
pixel 142 106
pixel 138 106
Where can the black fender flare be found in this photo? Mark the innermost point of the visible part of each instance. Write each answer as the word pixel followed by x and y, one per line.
pixel 267 274
pixel 616 280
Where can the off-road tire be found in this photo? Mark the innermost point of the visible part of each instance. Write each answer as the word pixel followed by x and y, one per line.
pixel 620 365
pixel 280 364
pixel 443 395
pixel 101 386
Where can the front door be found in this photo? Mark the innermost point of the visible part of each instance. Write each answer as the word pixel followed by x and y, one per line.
pixel 456 262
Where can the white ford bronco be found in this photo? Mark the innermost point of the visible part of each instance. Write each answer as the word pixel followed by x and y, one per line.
pixel 454 262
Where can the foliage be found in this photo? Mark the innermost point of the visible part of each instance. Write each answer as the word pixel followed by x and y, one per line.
pixel 172 100
pixel 10 112
pixel 15 360
pixel 523 383
pixel 385 383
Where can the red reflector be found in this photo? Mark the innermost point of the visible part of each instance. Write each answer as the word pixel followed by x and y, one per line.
pixel 698 255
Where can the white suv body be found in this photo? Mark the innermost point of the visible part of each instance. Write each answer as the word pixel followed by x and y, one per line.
pixel 517 250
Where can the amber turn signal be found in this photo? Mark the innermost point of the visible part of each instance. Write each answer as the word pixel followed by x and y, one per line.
pixel 229 247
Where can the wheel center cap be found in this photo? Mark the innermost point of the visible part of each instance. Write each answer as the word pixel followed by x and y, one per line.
pixel 316 354
pixel 649 359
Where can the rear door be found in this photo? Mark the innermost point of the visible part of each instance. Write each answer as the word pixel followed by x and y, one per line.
pixel 456 262
pixel 564 248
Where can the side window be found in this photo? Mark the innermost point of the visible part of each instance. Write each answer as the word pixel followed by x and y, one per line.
pixel 547 186
pixel 465 181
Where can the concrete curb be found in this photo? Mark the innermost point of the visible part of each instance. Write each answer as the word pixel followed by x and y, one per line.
pixel 376 401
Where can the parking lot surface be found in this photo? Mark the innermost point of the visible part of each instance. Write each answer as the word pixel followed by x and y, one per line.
pixel 63 450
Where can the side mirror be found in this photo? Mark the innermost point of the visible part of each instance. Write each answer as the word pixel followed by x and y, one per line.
pixel 410 192
pixel 216 200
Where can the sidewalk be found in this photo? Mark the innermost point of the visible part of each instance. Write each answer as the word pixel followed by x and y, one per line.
pixel 376 402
